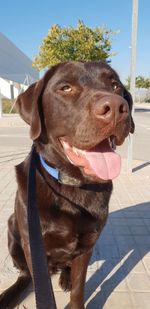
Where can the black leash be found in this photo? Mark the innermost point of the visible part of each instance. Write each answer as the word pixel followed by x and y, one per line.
pixel 42 282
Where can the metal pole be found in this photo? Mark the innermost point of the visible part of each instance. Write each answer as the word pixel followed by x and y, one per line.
pixel 133 74
pixel 1 107
pixel 25 80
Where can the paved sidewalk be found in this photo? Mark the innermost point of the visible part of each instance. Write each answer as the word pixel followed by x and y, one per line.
pixel 119 272
pixel 12 120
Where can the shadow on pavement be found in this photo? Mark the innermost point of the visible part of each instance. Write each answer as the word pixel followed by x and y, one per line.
pixel 131 248
pixel 137 168
pixel 142 110
pixel 128 232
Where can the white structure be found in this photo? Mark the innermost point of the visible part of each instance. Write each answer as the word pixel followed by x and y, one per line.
pixel 16 70
pixel 9 89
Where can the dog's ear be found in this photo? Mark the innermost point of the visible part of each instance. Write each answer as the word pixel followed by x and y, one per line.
pixel 128 98
pixel 28 107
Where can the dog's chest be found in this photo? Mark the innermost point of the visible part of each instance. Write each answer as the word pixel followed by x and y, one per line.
pixel 71 224
pixel 67 236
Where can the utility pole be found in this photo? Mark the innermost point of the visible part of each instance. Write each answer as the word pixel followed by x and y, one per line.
pixel 1 107
pixel 133 74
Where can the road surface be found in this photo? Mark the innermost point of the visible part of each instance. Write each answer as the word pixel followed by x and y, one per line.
pixel 11 136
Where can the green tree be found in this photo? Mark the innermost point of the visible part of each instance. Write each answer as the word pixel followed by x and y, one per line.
pixel 140 82
pixel 80 43
pixel 127 85
pixel 147 83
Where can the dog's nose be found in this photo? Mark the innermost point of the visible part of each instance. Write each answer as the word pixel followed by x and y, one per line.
pixel 110 108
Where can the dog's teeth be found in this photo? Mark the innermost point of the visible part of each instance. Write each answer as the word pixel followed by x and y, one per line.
pixel 80 151
pixel 75 150
pixel 65 145
pixel 113 143
pixel 70 160
pixel 110 142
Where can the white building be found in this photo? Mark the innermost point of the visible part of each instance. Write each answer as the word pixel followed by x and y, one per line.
pixel 16 70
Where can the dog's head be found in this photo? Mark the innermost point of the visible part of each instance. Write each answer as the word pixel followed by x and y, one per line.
pixel 77 112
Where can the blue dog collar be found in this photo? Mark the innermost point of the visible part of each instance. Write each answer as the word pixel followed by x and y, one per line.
pixel 50 170
pixel 59 176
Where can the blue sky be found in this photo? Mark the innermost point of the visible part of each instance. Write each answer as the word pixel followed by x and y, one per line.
pixel 25 23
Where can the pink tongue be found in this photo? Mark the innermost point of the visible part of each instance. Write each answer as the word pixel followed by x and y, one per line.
pixel 105 163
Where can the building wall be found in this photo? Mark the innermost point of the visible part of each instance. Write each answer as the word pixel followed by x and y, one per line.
pixel 9 89
pixel 14 64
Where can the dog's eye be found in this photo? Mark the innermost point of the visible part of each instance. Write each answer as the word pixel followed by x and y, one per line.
pixel 66 88
pixel 115 86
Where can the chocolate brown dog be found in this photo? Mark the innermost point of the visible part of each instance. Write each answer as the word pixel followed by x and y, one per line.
pixel 77 113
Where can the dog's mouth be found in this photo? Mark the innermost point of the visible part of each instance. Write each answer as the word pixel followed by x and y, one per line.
pixel 100 161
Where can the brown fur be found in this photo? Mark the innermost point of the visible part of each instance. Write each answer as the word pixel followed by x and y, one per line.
pixel 71 217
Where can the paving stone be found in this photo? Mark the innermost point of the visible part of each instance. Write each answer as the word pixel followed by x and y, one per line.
pixel 142 240
pixel 141 300
pixel 28 302
pixel 106 238
pixel 121 230
pixel 139 230
pixel 139 282
pixel 119 300
pixel 146 262
pixel 118 221
pixel 95 300
pixel 108 251
pixel 132 264
pixel 131 213
pixel 119 271
pixel 134 222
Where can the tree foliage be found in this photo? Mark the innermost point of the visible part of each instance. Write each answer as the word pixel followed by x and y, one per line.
pixel 80 43
pixel 140 82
